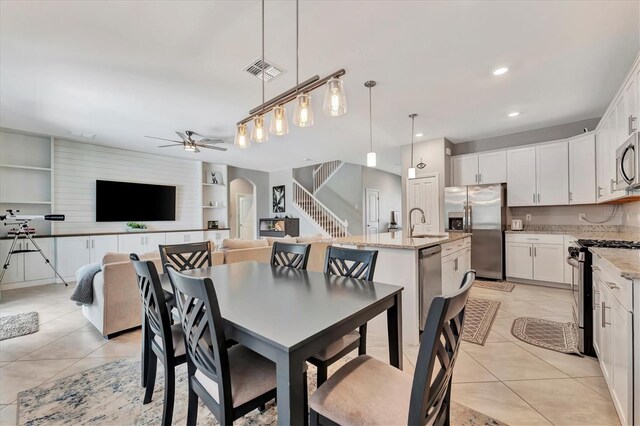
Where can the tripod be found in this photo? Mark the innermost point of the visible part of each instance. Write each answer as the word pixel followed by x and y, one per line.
pixel 23 231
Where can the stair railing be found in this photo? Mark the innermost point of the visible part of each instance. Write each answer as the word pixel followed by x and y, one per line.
pixel 324 172
pixel 317 212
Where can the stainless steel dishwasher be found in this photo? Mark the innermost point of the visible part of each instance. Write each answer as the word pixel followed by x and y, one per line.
pixel 430 279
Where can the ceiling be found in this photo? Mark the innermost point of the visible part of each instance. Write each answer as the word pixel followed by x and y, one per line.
pixel 122 70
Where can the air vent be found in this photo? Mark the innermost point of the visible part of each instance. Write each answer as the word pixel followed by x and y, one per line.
pixel 271 71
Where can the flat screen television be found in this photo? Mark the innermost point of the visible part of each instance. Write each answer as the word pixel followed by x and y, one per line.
pixel 127 202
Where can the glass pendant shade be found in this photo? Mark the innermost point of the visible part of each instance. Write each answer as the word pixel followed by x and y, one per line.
pixel 303 114
pixel 335 102
pixel 279 125
pixel 259 132
pixel 411 174
pixel 242 139
pixel 371 159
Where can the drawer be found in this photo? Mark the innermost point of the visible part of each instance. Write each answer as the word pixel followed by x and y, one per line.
pixel 454 246
pixel 535 238
pixel 619 287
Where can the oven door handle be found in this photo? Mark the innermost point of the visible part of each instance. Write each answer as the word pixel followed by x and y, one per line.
pixel 573 262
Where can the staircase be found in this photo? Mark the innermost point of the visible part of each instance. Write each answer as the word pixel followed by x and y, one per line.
pixel 324 172
pixel 325 220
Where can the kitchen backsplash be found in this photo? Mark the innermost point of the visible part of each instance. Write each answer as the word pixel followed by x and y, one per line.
pixel 569 215
pixel 631 215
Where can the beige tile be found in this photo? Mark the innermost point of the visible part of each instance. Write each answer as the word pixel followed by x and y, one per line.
pixel 83 365
pixel 521 308
pixel 597 384
pixel 125 345
pixel 566 402
pixel 502 324
pixel 23 375
pixel 495 337
pixel 67 322
pixel 498 401
pixel 468 370
pixel 18 347
pixel 508 361
pixel 78 344
pixel 558 307
pixel 9 415
pixel 570 364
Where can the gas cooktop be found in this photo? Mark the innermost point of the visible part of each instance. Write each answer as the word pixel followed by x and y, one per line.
pixel 610 244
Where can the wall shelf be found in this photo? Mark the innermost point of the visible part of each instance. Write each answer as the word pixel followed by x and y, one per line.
pixel 24 202
pixel 214 207
pixel 214 184
pixel 15 166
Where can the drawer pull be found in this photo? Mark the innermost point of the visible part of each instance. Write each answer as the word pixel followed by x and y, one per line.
pixel 533 239
pixel 595 268
pixel 611 285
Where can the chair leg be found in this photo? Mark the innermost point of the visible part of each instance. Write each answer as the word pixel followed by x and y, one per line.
pixel 322 373
pixel 169 392
pixel 362 349
pixel 314 418
pixel 305 397
pixel 151 376
pixel 192 404
pixel 447 405
pixel 144 362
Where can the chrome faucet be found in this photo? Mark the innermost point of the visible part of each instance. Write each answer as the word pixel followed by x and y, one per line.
pixel 423 219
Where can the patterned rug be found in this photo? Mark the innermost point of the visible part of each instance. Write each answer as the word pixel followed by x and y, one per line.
pixel 557 336
pixel 111 395
pixel 478 319
pixel 494 285
pixel 18 325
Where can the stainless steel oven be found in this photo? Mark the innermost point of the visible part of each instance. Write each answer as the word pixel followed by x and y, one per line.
pixel 576 260
pixel 628 163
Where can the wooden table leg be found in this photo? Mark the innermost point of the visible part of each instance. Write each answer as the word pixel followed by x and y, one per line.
pixel 291 389
pixel 394 329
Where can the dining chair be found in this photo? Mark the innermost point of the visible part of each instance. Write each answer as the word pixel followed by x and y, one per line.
pixel 290 255
pixel 358 264
pixel 186 256
pixel 231 382
pixel 369 391
pixel 164 342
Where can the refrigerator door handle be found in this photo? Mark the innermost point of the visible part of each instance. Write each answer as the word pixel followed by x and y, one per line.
pixel 470 218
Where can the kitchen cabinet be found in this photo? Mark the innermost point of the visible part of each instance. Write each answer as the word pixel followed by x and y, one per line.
pixel 456 261
pixel 35 267
pixel 548 264
pixel 15 271
pixel 521 176
pixel 622 392
pixel 140 243
pixel 582 169
pixel 597 314
pixel 74 252
pixel 490 167
pixel 184 237
pixel 465 170
pixel 552 174
pixel 603 190
pixel 535 257
pixel 519 262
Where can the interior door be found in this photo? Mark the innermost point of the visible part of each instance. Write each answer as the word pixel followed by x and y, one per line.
pixel 372 211
pixel 423 193
pixel 246 221
pixel 552 174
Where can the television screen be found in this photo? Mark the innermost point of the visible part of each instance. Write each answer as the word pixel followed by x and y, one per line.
pixel 130 202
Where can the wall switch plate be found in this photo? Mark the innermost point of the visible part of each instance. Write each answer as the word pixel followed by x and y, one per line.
pixel 582 217
pixel 527 217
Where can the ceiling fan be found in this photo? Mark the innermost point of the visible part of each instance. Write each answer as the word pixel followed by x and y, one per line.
pixel 189 143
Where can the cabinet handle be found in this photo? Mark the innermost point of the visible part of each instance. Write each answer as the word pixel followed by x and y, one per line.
pixel 87 244
pixel 480 178
pixel 455 264
pixel 611 182
pixel 529 251
pixel 476 178
pixel 535 252
pixel 611 285
pixel 632 119
pixel 595 268
pixel 570 196
pixel 93 243
pixel 602 316
pixel 599 191
pixel 534 198
pixel 538 198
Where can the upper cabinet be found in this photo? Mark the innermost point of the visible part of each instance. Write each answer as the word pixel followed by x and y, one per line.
pixel 521 176
pixel 582 170
pixel 480 169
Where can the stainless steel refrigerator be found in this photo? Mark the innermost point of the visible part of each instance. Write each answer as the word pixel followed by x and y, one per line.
pixel 480 210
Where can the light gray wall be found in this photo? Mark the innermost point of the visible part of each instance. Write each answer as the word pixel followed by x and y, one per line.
pixel 343 194
pixel 263 191
pixel 545 134
pixel 390 187
pixel 304 175
pixel 285 177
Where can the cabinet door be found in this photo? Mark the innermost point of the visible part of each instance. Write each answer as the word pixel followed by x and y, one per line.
pixel 132 243
pixel 15 271
pixel 548 262
pixel 521 176
pixel 630 107
pixel 465 170
pixel 101 245
pixel 582 170
pixel 621 122
pixel 602 166
pixel 622 391
pixel 194 236
pixel 35 267
pixel 597 314
pixel 606 334
pixel 152 241
pixel 552 174
pixel 519 260
pixel 492 167
pixel 71 254
pixel 449 275
pixel 175 237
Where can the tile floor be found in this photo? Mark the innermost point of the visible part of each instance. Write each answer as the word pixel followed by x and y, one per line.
pixel 507 379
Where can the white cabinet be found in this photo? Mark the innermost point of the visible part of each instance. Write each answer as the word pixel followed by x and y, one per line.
pixel 74 252
pixel 140 243
pixel 548 262
pixel 521 176
pixel 465 170
pixel 448 274
pixel 552 174
pixel 519 260
pixel 597 314
pixel 622 392
pixel 100 245
pixel 455 263
pixel 216 236
pixel 15 271
pixel 490 167
pixel 35 267
pixel 536 257
pixel 582 170
pixel 602 165
pixel 184 237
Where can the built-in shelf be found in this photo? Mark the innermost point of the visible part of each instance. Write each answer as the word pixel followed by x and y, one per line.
pixel 15 166
pixel 23 202
pixel 214 207
pixel 214 184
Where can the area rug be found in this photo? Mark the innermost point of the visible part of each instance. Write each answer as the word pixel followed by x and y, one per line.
pixel 111 395
pixel 557 336
pixel 18 325
pixel 494 285
pixel 478 318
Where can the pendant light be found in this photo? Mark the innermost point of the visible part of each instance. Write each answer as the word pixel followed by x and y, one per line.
pixel 371 155
pixel 411 173
pixel 303 112
pixel 259 132
pixel 279 125
pixel 335 102
pixel 242 139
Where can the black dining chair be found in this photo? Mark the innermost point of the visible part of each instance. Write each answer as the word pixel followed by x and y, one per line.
pixel 164 341
pixel 358 264
pixel 186 256
pixel 290 255
pixel 390 395
pixel 231 382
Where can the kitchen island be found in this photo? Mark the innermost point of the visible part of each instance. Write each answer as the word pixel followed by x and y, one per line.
pixel 425 266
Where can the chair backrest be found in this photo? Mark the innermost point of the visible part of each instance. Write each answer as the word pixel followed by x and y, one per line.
pixel 186 256
pixel 291 255
pixel 439 344
pixel 153 301
pixel 202 323
pixel 360 264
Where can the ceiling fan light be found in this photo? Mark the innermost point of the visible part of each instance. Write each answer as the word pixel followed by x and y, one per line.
pixel 303 113
pixel 335 102
pixel 242 140
pixel 279 125
pixel 411 173
pixel 189 147
pixel 259 132
pixel 371 159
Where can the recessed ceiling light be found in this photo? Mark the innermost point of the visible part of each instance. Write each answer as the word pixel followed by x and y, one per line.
pixel 514 114
pixel 500 71
pixel 419 135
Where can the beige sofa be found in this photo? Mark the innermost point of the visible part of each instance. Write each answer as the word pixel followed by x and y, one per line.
pixel 116 303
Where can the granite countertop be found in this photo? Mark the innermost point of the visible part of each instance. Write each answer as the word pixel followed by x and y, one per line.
pixel 399 240
pixel 626 261
pixel 594 235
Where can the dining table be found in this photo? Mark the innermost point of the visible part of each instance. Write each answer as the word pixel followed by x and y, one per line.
pixel 287 315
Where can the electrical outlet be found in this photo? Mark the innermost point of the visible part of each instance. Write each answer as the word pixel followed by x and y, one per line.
pixel 582 217
pixel 527 217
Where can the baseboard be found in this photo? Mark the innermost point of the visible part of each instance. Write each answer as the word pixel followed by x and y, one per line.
pixel 25 284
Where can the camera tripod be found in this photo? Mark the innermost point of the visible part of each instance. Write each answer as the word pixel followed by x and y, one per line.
pixel 22 231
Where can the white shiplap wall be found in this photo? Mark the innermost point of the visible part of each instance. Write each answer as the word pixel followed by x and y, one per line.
pixel 78 165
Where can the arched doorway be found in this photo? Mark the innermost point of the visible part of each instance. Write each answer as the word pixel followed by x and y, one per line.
pixel 242 209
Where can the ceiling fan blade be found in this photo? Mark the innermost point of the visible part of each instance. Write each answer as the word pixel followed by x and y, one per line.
pixel 212 147
pixel 210 141
pixel 163 139
pixel 167 146
pixel 183 137
pixel 195 149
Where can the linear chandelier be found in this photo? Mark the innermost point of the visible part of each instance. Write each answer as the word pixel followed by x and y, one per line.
pixel 335 103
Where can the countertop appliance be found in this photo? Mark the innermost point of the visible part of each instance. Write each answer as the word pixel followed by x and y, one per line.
pixel 580 258
pixel 480 210
pixel 516 225
pixel 628 163
pixel 429 278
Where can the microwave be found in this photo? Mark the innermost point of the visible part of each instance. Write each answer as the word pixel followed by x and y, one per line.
pixel 628 163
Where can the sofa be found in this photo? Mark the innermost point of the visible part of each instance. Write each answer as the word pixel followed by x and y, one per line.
pixel 116 303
